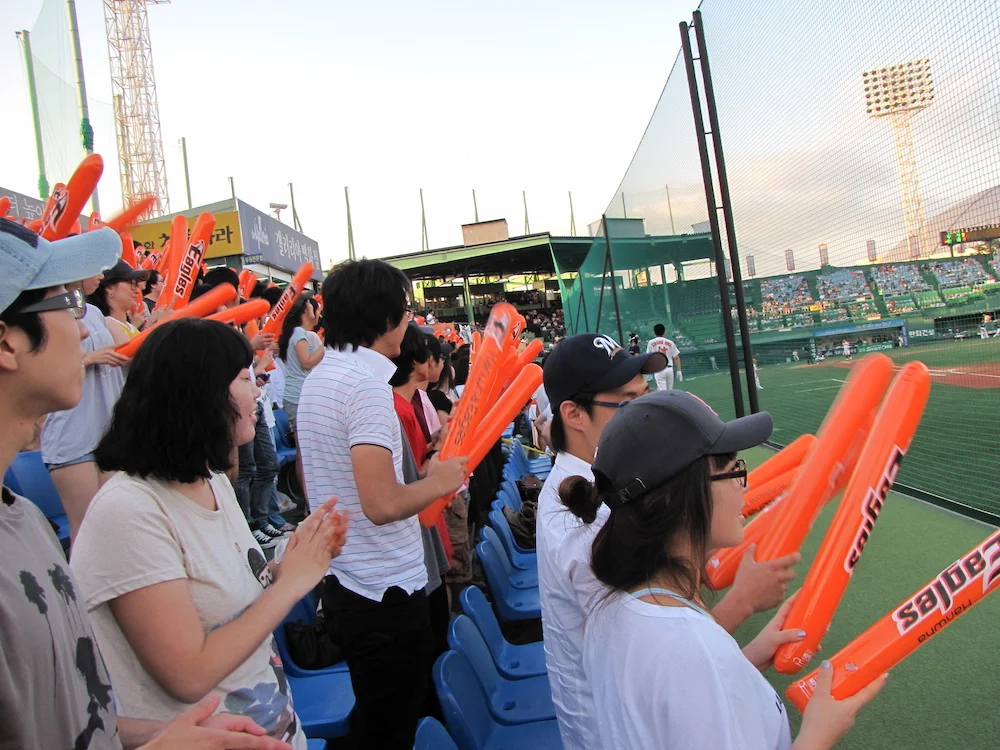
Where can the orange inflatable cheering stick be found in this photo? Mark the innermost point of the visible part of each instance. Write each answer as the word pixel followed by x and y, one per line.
pixel 854 521
pixel 248 280
pixel 206 304
pixel 185 261
pixel 288 298
pixel 847 420
pixel 131 215
pixel 244 313
pixel 164 262
pixel 932 608
pixel 758 497
pixel 788 458
pixel 474 401
pixel 67 201
pixel 723 565
pixel 4 205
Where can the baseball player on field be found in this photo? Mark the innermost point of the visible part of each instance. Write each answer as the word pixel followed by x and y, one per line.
pixel 665 378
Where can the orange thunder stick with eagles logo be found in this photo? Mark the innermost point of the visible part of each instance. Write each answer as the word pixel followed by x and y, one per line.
pixel 934 606
pixel 206 304
pixel 854 521
pixel 473 403
pixel 288 297
pixel 241 314
pixel 505 409
pixel 185 261
pixel 788 458
pixel 758 497
pixel 163 263
pixel 63 208
pixel 848 418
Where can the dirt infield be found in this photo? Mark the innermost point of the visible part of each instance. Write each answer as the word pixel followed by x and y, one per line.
pixel 980 376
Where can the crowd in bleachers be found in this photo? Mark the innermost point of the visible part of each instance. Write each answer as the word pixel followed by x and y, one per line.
pixel 957 273
pixel 899 280
pixel 784 295
pixel 843 285
pixel 549 324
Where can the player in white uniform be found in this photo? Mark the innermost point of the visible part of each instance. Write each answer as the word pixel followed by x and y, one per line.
pixel 665 378
pixel 847 349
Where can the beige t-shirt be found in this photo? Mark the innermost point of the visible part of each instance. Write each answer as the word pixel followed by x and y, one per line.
pixel 138 533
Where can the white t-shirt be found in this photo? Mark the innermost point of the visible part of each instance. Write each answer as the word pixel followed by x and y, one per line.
pixel 346 401
pixel 138 533
pixel 664 346
pixel 567 589
pixel 673 677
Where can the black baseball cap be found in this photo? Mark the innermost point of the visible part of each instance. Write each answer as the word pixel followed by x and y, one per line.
pixel 593 363
pixel 122 271
pixel 653 438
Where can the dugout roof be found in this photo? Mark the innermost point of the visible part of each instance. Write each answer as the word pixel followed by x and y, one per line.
pixel 534 253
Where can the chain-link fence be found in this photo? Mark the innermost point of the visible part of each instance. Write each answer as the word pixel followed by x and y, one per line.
pixel 862 146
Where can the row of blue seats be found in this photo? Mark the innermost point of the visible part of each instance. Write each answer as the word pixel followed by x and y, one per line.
pixel 28 477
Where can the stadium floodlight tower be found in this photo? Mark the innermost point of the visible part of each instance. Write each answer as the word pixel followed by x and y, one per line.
pixel 899 92
pixel 137 113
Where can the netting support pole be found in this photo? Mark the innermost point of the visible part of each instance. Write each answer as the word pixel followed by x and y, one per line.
pixel 727 213
pixel 43 183
pixel 86 130
pixel 608 262
pixel 467 291
pixel 713 220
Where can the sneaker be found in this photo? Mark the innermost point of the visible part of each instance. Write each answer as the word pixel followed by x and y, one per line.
pixel 286 528
pixel 272 532
pixel 263 539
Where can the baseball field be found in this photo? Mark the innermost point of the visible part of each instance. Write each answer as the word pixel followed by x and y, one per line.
pixel 955 453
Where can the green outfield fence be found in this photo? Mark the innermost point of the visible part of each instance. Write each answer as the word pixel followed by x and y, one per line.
pixel 862 146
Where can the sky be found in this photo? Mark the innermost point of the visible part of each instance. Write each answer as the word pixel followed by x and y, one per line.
pixel 386 97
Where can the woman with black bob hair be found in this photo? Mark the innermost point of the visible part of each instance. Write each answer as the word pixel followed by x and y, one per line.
pixel 664 672
pixel 300 349
pixel 182 600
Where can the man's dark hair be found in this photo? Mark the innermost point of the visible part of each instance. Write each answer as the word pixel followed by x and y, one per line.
pixel 362 300
pixel 412 350
pixel 30 323
pixel 221 275
pixel 272 294
pixel 557 430
pixel 174 420
pixel 659 329
pixel 434 346
pixel 153 280
pixel 199 289
pixel 258 291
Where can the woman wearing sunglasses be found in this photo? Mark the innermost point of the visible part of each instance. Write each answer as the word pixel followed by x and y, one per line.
pixel 70 437
pixel 117 298
pixel 664 672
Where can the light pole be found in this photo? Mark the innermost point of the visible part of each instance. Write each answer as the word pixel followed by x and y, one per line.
pixel 898 92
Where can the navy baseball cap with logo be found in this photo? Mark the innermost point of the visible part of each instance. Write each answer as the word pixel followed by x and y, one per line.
pixel 653 438
pixel 590 363
pixel 29 262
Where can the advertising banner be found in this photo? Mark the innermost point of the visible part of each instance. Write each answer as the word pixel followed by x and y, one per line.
pixel 267 240
pixel 225 238
pixel 23 206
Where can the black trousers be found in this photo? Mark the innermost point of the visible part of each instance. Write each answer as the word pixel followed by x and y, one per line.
pixel 389 647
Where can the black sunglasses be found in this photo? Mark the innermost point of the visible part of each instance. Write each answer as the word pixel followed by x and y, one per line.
pixel 75 301
pixel 739 472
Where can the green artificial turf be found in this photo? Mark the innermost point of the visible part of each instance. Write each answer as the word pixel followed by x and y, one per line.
pixel 956 451
pixel 944 694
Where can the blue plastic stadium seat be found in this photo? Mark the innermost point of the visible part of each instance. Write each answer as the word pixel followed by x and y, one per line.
pixel 316 745
pixel 514 662
pixel 28 477
pixel 519 579
pixel 286 453
pixel 432 736
pixel 511 603
pixel 511 701
pixel 324 703
pixel 468 716
pixel 305 612
pixel 524 559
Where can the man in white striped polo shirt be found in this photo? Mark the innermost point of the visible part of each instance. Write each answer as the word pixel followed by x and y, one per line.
pixel 351 447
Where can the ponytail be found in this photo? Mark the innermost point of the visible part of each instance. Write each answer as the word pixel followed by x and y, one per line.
pixel 580 497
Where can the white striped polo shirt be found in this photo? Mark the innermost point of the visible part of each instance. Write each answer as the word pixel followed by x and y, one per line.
pixel 346 401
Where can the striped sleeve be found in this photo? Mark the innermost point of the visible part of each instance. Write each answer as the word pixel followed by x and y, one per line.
pixel 371 419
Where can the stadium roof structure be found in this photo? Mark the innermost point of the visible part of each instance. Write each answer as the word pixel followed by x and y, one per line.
pixel 538 253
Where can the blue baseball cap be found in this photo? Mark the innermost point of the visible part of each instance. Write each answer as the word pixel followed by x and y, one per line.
pixel 29 262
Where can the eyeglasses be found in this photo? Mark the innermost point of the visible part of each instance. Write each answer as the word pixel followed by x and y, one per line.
pixel 612 404
pixel 739 472
pixel 75 301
